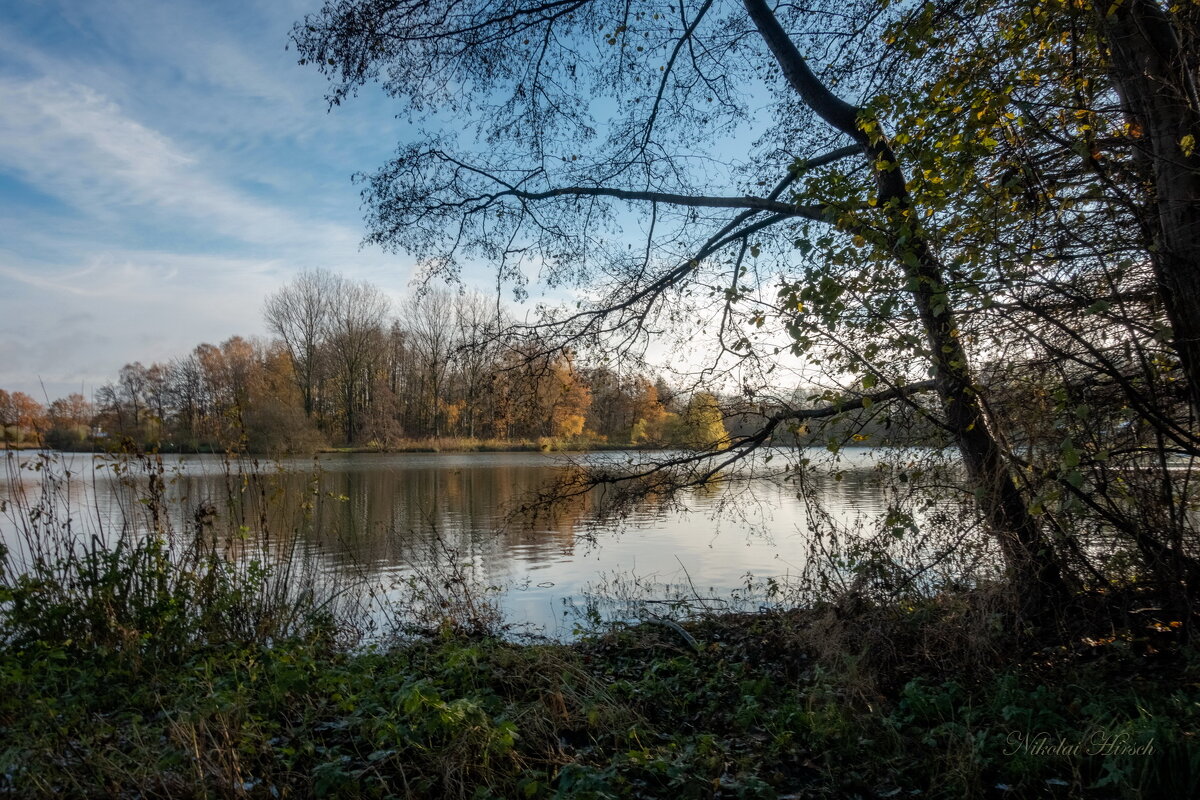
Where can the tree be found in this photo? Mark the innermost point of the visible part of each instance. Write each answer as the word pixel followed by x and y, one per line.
pixel 131 383
pixel 544 183
pixel 563 399
pixel 274 420
pixel 429 322
pixel 74 410
pixel 476 350
pixel 188 397
pixel 20 417
pixel 1053 191
pixel 299 314
pixel 649 412
pixel 355 341
pixel 1153 57
pixel 701 425
pixel 70 420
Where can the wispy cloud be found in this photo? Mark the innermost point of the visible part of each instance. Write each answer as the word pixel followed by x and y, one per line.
pixel 69 141
pixel 81 325
pixel 192 170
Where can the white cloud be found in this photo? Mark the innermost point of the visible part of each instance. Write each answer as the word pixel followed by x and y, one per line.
pixel 69 141
pixel 196 171
pixel 81 325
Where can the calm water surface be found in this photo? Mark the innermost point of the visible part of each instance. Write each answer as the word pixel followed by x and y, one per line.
pixel 380 517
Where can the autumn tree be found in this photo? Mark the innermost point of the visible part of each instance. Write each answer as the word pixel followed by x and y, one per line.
pixel 701 425
pixel 70 420
pixel 21 417
pixel 649 411
pixel 563 399
pixel 74 410
pixel 1043 167
pixel 274 420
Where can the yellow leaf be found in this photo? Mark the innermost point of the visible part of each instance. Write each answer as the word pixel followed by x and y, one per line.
pixel 1188 145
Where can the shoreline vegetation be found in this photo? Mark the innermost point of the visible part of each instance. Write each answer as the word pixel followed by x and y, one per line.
pixel 175 665
pixel 813 703
pixel 439 368
pixel 436 374
pixel 468 445
pixel 996 263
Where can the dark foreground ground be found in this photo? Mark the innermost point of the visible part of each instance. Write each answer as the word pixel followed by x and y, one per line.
pixel 942 699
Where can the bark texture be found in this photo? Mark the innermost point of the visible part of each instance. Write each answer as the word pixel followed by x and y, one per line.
pixel 1153 58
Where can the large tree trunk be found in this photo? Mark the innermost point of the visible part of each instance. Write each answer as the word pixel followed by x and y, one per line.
pixel 1030 559
pixel 1153 61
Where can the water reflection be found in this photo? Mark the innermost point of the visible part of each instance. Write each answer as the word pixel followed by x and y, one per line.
pixel 380 517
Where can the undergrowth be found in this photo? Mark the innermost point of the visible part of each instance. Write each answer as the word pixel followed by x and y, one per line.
pixel 176 664
pixel 752 713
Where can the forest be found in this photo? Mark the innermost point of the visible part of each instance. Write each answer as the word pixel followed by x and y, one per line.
pixel 344 369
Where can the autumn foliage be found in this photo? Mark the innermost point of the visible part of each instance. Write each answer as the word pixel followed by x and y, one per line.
pixel 344 369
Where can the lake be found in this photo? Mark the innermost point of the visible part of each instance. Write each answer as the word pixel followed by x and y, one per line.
pixel 380 519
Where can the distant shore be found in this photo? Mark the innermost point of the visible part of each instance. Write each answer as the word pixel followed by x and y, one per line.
pixel 448 444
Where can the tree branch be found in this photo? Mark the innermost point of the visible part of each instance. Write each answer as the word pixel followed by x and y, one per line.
pixel 811 212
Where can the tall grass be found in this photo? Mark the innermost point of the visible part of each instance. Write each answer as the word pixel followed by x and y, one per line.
pixel 160 572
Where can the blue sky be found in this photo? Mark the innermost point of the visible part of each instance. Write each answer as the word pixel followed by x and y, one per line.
pixel 163 167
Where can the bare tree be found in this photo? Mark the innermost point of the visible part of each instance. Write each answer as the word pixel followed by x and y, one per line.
pixel 299 314
pixel 429 320
pixel 477 326
pixel 355 341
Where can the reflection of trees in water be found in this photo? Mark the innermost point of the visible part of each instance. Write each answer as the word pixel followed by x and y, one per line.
pixel 904 521
pixel 387 515
pixel 365 521
pixel 352 520
pixel 383 520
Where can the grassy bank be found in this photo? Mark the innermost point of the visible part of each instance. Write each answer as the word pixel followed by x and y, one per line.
pixel 766 705
pixel 197 660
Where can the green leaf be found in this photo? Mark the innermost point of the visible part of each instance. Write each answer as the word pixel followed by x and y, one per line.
pixel 1070 456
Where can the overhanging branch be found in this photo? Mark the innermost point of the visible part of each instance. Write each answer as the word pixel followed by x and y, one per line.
pixel 812 212
pixel 663 475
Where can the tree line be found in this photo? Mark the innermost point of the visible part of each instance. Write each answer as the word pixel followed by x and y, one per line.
pixel 343 367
